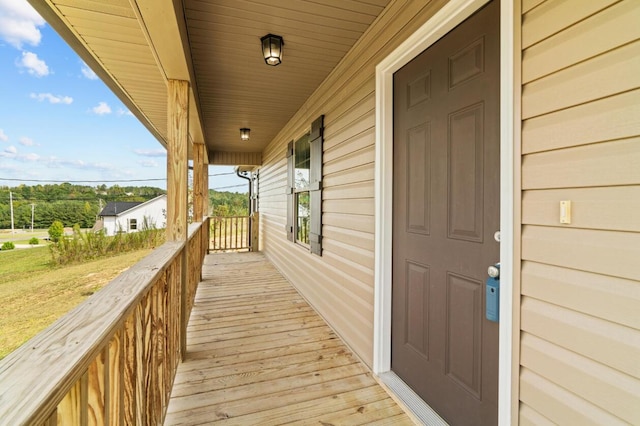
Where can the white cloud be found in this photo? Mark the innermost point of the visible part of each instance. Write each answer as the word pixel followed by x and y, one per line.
pixel 148 163
pixel 27 141
pixel 87 72
pixel 34 65
pixel 151 152
pixel 19 23
pixel 122 111
pixel 101 109
pixel 60 99
pixel 10 152
pixel 32 157
pixel 3 136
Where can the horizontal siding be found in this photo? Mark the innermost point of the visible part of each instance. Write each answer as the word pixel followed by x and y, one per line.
pixel 614 72
pixel 600 33
pixel 601 386
pixel 597 121
pixel 339 284
pixel 560 405
pixel 603 164
pixel 604 208
pixel 601 252
pixel 554 16
pixel 585 292
pixel 580 282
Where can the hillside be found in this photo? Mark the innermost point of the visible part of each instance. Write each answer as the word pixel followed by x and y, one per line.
pixel 80 204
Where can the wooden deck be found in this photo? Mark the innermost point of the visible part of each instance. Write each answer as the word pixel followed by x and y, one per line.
pixel 258 354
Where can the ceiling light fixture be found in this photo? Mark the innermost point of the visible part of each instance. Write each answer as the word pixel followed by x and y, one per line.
pixel 272 49
pixel 244 133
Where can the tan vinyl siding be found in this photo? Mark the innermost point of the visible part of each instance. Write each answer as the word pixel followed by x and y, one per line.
pixel 340 283
pixel 580 282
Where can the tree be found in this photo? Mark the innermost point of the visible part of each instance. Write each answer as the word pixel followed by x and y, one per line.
pixel 56 230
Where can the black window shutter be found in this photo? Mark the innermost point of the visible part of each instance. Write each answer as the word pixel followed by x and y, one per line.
pixel 316 139
pixel 289 191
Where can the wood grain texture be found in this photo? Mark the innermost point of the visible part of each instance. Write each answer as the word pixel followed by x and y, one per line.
pixel 177 160
pixel 258 354
pixel 96 390
pixel 200 193
pixel 72 343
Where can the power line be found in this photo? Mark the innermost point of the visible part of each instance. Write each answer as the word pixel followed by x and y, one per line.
pixel 228 187
pixel 100 181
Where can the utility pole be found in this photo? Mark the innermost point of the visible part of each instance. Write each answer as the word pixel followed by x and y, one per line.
pixel 11 204
pixel 33 207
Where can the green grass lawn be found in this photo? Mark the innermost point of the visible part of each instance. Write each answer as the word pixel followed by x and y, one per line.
pixel 34 293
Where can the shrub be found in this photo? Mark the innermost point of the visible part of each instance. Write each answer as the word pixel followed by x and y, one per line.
pixel 84 246
pixel 8 245
pixel 56 230
pixel 34 241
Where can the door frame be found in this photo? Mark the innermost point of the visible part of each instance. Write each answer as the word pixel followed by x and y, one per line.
pixel 446 19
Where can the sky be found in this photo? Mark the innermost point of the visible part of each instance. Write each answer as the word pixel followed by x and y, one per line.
pixel 60 123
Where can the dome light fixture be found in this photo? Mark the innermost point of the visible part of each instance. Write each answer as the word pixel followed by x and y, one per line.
pixel 272 49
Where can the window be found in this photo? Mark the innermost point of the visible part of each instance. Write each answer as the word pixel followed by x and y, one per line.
pixel 133 224
pixel 302 161
pixel 304 191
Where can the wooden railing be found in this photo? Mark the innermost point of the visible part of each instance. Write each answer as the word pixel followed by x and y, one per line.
pixel 112 359
pixel 229 233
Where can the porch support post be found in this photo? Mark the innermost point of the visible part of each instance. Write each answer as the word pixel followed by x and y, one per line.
pixel 177 160
pixel 177 177
pixel 199 191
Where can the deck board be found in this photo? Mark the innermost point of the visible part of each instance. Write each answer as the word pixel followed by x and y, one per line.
pixel 258 354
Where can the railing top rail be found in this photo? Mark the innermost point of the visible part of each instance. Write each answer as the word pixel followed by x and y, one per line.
pixel 230 217
pixel 194 227
pixel 36 376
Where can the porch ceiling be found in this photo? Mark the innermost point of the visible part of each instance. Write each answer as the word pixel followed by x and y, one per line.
pixel 136 45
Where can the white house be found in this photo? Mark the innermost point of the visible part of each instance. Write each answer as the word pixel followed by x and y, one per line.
pixel 124 216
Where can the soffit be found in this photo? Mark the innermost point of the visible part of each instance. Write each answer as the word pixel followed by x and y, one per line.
pixel 122 40
pixel 237 89
pixel 109 38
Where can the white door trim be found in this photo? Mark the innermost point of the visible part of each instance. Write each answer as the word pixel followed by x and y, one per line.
pixel 447 18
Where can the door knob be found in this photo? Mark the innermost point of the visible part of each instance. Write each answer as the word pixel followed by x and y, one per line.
pixel 494 271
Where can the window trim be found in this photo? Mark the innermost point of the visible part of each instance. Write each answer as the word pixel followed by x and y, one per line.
pixel 316 140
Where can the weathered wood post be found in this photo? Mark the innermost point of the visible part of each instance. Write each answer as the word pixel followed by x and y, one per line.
pixel 177 176
pixel 200 194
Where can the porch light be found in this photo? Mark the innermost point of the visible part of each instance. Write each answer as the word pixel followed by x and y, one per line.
pixel 244 133
pixel 272 49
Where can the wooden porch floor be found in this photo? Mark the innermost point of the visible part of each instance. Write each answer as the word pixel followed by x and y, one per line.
pixel 259 355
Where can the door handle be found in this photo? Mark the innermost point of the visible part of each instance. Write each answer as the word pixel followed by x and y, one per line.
pixel 494 271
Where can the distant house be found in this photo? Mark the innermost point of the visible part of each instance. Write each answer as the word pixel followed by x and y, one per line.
pixel 124 216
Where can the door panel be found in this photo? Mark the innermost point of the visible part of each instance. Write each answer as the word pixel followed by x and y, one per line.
pixel 446 209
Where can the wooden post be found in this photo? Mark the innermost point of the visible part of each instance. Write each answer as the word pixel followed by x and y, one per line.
pixel 255 231
pixel 177 176
pixel 198 182
pixel 177 161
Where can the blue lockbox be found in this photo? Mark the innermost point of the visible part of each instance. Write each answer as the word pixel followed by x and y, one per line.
pixel 493 299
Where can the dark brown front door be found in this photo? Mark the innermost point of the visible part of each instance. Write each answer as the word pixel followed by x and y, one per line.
pixel 446 211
